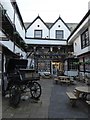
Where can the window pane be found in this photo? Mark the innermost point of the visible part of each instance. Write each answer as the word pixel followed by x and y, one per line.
pixel 38 33
pixel 43 66
pixel 59 34
pixel 72 66
pixel 85 39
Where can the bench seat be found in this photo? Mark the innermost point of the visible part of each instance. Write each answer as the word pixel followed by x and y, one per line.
pixel 61 81
pixel 56 80
pixel 64 81
pixel 88 102
pixel 72 98
pixel 71 95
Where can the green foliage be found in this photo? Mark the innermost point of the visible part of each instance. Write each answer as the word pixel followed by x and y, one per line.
pixel 82 63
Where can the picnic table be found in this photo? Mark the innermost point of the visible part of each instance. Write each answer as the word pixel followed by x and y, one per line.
pixel 80 92
pixel 63 79
pixel 84 90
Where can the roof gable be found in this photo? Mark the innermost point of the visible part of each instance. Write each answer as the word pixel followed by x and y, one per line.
pixel 38 17
pixel 71 26
pixel 80 23
pixel 62 21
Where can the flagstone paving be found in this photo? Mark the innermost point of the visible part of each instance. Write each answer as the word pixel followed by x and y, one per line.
pixel 53 103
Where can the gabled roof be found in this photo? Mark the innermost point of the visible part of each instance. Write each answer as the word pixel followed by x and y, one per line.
pixel 70 25
pixel 62 21
pixel 38 17
pixel 27 24
pixel 84 18
pixel 49 24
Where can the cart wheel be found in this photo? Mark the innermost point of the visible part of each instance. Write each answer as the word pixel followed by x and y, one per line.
pixel 35 89
pixel 15 96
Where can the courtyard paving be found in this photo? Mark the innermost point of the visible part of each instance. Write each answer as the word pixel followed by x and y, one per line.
pixel 53 103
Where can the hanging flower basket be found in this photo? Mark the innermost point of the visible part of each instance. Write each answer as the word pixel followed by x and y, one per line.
pixel 23 45
pixel 87 62
pixel 82 63
pixel 15 33
pixel 76 63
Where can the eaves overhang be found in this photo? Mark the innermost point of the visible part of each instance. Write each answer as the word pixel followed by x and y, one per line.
pixel 15 6
pixel 38 17
pixel 43 41
pixel 83 22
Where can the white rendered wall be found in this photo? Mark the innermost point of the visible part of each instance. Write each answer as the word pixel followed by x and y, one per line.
pixel 10 12
pixel 8 7
pixel 19 28
pixel 62 27
pixel 34 26
pixel 85 23
pixel 77 47
pixel 45 42
pixel 9 44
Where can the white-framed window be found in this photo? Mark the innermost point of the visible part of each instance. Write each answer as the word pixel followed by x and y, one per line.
pixel 85 39
pixel 43 65
pixel 59 34
pixel 38 33
pixel 71 65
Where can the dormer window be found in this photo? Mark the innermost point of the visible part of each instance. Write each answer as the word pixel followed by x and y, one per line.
pixel 38 33
pixel 38 25
pixel 58 25
pixel 59 34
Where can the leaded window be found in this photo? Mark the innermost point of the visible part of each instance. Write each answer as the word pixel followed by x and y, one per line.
pixel 59 34
pixel 85 39
pixel 38 33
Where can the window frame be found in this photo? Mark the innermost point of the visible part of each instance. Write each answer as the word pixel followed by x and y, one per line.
pixel 35 35
pixel 71 65
pixel 59 34
pixel 85 42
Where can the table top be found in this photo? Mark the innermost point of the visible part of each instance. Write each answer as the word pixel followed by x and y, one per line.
pixel 84 89
pixel 63 76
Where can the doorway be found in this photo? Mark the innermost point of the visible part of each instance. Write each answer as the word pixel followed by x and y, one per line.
pixel 57 67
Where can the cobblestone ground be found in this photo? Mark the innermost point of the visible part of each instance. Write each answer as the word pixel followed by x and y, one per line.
pixel 53 103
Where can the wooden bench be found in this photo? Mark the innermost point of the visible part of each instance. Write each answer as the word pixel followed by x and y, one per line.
pixel 88 102
pixel 65 81
pixel 56 80
pixel 72 98
pixel 62 81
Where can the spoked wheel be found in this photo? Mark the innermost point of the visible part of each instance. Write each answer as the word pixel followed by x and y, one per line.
pixel 15 96
pixel 35 89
